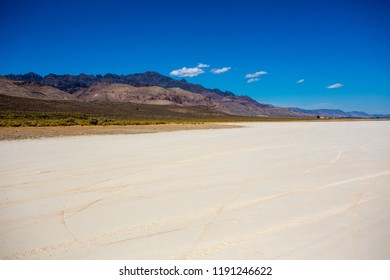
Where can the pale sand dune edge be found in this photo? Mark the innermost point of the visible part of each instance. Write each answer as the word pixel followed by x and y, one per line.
pixel 20 133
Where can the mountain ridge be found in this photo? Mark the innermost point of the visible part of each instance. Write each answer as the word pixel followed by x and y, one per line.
pixel 150 78
pixel 337 113
pixel 153 88
pixel 194 94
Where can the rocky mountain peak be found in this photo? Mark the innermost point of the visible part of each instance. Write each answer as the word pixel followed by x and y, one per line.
pixel 168 90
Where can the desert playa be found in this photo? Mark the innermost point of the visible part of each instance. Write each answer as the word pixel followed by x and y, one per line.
pixel 288 190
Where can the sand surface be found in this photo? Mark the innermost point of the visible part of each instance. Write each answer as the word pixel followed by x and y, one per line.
pixel 299 190
pixel 19 133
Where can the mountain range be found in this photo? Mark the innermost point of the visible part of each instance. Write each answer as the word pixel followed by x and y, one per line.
pixel 148 88
pixel 337 113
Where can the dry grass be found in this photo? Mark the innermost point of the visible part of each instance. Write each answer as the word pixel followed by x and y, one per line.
pixel 17 112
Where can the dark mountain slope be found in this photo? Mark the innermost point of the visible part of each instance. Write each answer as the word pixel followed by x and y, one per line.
pixel 80 85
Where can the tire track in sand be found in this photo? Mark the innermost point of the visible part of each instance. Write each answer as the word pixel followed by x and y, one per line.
pixel 127 234
pixel 296 222
pixel 226 205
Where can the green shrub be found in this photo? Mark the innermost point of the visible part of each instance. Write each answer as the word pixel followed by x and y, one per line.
pixel 93 120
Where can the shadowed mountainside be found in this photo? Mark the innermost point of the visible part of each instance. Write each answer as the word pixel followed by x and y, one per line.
pixel 336 113
pixel 19 111
pixel 145 88
pixel 154 89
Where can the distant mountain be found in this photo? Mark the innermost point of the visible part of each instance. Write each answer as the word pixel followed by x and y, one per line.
pixel 34 90
pixel 143 88
pixel 71 83
pixel 336 113
pixel 150 88
pixel 140 95
pixel 235 105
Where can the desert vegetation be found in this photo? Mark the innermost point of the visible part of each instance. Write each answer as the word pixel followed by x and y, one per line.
pixel 22 112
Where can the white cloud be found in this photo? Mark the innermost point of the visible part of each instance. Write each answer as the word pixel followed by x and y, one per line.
pixel 187 72
pixel 220 70
pixel 256 74
pixel 335 86
pixel 251 80
pixel 202 65
pixel 300 81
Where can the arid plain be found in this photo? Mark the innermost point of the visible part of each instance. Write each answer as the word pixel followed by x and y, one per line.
pixel 287 190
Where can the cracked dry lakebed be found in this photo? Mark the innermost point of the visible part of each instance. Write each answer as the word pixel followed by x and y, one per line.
pixel 286 190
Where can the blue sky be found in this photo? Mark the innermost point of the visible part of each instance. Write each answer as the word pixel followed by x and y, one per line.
pixel 342 44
